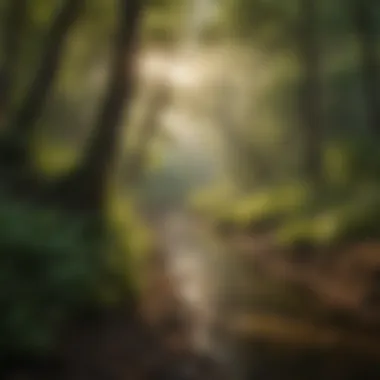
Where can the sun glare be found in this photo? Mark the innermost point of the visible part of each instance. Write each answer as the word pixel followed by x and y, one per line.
pixel 178 71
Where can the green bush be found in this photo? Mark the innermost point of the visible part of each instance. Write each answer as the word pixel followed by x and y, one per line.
pixel 351 161
pixel 345 208
pixel 51 267
pixel 352 215
pixel 273 203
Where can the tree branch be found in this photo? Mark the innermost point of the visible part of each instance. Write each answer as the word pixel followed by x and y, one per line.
pixel 25 118
pixel 12 32
pixel 365 27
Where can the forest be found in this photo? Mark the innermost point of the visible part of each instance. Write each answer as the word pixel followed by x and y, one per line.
pixel 190 189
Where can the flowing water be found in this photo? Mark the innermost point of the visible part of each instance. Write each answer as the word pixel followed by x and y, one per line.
pixel 194 262
pixel 196 265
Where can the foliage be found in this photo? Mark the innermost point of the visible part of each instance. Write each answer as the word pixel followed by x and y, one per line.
pixel 51 267
pixel 131 233
pixel 56 264
pixel 213 201
pixel 345 208
pixel 347 217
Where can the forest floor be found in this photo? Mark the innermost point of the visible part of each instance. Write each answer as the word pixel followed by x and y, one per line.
pixel 156 341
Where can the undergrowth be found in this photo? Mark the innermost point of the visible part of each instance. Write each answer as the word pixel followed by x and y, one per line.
pixel 53 267
pixel 345 208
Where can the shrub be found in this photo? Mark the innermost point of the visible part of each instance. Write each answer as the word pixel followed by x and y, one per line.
pixel 51 267
pixel 345 208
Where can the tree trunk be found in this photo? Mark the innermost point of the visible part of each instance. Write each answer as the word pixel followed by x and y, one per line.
pixel 85 189
pixel 365 27
pixel 12 32
pixel 23 122
pixel 248 164
pixel 134 168
pixel 310 92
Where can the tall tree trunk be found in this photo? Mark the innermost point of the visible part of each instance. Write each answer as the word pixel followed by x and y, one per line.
pixel 310 91
pixel 134 168
pixel 365 27
pixel 248 164
pixel 14 144
pixel 85 189
pixel 12 32
pixel 23 122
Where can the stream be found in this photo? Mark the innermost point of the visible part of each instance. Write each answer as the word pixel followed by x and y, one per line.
pixel 196 265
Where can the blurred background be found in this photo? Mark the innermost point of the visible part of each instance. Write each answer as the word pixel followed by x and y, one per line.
pixel 190 189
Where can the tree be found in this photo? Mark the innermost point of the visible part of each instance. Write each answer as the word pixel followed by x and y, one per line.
pixel 248 165
pixel 291 28
pixel 365 27
pixel 13 27
pixel 84 188
pixel 136 160
pixel 22 122
pixel 48 239
pixel 24 119
pixel 310 91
